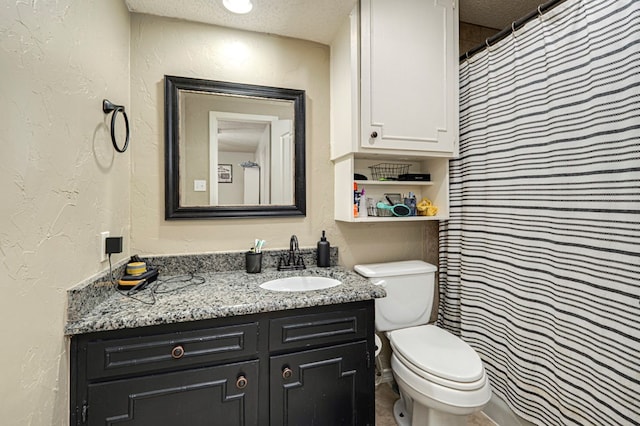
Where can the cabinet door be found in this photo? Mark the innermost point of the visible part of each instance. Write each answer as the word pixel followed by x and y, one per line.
pixel 329 386
pixel 409 72
pixel 206 396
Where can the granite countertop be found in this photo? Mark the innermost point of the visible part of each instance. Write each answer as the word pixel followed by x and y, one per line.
pixel 183 297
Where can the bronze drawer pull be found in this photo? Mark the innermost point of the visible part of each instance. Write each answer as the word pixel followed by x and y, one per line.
pixel 177 352
pixel 242 382
pixel 287 373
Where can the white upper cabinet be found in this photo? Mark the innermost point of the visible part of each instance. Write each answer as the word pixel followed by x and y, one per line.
pixel 409 75
pixel 395 79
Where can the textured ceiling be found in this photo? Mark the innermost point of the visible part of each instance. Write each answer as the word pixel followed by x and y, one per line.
pixel 315 20
pixel 496 14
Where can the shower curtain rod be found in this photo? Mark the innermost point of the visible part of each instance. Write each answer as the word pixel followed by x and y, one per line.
pixel 516 25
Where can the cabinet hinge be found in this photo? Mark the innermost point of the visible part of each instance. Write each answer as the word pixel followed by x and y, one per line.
pixel 368 360
pixel 85 411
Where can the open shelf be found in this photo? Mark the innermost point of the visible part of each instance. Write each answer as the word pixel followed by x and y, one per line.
pixel 435 190
pixel 394 182
pixel 394 219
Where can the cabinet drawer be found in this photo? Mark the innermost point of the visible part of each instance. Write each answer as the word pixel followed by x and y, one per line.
pixel 150 353
pixel 303 331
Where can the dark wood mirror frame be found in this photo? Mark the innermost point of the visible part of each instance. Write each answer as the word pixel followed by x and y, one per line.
pixel 173 209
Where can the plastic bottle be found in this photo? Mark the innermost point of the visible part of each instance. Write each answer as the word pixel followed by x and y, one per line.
pixel 362 208
pixel 323 252
pixel 413 202
pixel 356 196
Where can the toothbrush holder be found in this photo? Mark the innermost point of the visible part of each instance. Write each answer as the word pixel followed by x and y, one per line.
pixel 253 262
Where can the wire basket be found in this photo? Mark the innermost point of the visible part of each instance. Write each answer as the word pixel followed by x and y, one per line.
pixel 388 171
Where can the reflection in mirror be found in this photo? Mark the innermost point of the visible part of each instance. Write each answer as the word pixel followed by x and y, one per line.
pixel 233 150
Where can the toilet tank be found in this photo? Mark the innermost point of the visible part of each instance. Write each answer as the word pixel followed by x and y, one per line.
pixel 409 285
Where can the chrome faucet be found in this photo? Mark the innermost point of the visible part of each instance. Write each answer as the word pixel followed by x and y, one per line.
pixel 293 259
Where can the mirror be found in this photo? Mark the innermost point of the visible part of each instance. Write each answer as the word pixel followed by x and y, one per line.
pixel 233 150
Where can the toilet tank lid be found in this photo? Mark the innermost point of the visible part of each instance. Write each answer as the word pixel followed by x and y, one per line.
pixel 392 269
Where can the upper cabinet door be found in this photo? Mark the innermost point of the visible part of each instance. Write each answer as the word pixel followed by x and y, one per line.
pixel 409 76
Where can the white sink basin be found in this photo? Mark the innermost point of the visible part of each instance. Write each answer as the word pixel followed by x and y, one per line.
pixel 300 284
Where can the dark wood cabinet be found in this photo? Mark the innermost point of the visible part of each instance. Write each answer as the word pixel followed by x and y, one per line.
pixel 294 367
pixel 320 386
pixel 228 393
pixel 327 384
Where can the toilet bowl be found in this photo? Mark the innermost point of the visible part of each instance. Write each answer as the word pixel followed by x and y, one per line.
pixel 440 377
pixel 436 370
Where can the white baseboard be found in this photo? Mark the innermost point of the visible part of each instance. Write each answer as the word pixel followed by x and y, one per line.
pixel 385 377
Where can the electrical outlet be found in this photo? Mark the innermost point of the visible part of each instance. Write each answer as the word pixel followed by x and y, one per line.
pixel 103 245
pixel 114 245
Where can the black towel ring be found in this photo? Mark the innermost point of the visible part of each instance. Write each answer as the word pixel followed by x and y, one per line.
pixel 108 107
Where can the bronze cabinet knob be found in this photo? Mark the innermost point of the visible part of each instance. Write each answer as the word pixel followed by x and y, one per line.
pixel 242 382
pixel 177 352
pixel 287 373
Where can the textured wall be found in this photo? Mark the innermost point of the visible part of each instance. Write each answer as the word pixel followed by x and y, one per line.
pixel 163 46
pixel 61 184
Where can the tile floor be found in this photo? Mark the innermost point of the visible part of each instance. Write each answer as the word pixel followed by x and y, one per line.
pixel 385 397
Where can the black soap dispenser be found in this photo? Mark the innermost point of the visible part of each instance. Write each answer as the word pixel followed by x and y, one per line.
pixel 323 252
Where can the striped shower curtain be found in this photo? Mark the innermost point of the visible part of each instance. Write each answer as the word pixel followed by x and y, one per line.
pixel 540 260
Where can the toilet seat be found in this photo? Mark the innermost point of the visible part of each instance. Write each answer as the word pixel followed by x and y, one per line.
pixel 438 356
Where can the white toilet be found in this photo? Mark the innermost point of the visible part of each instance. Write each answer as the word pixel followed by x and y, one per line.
pixel 441 378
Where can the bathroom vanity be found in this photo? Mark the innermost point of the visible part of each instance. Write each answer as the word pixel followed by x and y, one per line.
pixel 304 366
pixel 225 351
